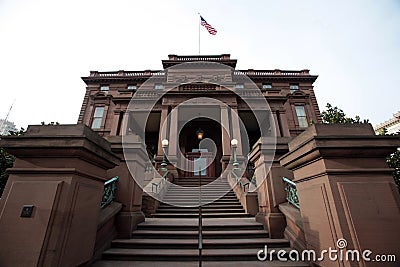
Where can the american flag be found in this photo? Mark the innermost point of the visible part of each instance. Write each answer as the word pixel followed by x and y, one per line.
pixel 209 28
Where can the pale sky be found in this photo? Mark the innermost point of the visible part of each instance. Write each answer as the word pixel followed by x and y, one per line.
pixel 47 45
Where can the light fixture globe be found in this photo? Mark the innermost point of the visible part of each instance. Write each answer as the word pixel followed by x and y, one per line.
pixel 164 142
pixel 234 142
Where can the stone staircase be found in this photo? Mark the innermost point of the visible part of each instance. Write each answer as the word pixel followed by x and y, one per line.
pixel 170 237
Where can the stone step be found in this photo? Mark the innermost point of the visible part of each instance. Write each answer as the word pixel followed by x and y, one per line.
pixel 196 211
pixel 202 193
pixel 203 185
pixel 208 206
pixel 249 254
pixel 194 203
pixel 193 243
pixel 175 181
pixel 211 183
pixel 204 200
pixel 207 263
pixel 217 193
pixel 205 191
pixel 196 215
pixel 197 196
pixel 209 224
pixel 207 234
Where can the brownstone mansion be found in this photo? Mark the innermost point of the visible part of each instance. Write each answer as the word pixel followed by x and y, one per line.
pixel 200 165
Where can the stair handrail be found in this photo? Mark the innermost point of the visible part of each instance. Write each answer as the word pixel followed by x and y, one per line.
pixel 291 192
pixel 200 224
pixel 109 192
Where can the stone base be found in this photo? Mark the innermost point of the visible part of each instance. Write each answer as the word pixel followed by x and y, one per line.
pixel 126 223
pixel 274 223
pixel 149 205
pixel 260 217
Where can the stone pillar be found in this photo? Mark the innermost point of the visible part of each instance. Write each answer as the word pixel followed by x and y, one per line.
pixel 236 130
pixel 284 124
pixel 162 135
pixel 115 122
pixel 346 191
pixel 226 140
pixel 271 191
pixel 59 173
pixel 277 124
pixel 131 173
pixel 173 133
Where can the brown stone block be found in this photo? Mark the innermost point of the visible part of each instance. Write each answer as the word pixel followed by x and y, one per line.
pixel 60 170
pixel 346 190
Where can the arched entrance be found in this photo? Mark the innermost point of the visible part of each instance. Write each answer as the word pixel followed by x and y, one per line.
pixel 201 152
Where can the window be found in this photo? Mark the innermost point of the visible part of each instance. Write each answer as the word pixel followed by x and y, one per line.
pixel 104 88
pixel 132 87
pixel 158 86
pixel 97 117
pixel 294 87
pixel 301 116
pixel 239 86
pixel 267 86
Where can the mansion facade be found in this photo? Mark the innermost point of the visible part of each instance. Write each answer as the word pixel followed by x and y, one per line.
pixel 199 163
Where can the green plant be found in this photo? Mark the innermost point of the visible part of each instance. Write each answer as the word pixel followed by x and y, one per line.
pixel 334 115
pixel 393 161
pixel 6 161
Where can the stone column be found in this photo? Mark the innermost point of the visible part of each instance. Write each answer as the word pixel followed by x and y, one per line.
pixel 277 125
pixel 162 135
pixel 346 191
pixel 125 124
pixel 236 130
pixel 115 122
pixel 226 140
pixel 173 133
pixel 131 172
pixel 271 191
pixel 59 175
pixel 284 124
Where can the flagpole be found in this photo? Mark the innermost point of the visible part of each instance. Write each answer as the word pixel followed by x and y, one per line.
pixel 199 30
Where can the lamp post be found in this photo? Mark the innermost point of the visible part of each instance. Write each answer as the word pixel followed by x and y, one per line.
pixel 164 144
pixel 200 134
pixel 234 143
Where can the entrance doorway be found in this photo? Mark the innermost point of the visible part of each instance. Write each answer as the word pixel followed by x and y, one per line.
pixel 203 155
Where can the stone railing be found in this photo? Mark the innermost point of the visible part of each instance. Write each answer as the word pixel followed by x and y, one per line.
pixel 240 186
pixel 200 58
pixel 148 73
pixel 242 182
pixel 123 73
pixel 198 87
pixel 276 72
pixel 157 184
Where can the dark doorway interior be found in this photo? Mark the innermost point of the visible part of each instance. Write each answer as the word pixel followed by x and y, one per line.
pixel 188 141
